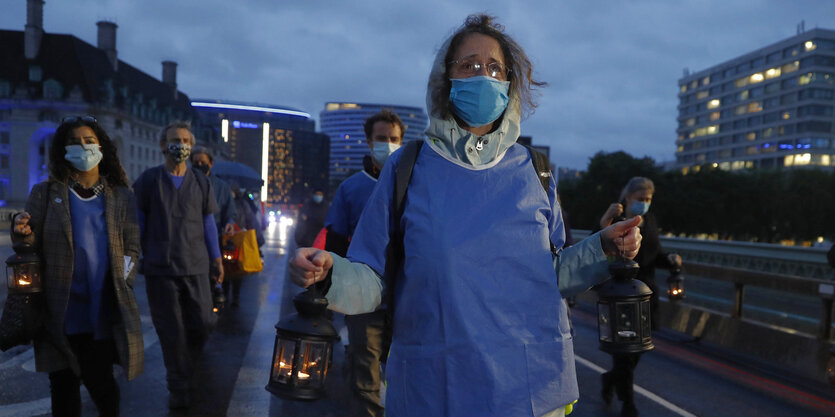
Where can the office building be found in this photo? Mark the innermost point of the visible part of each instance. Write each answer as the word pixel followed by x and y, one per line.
pixel 45 77
pixel 279 143
pixel 770 108
pixel 343 123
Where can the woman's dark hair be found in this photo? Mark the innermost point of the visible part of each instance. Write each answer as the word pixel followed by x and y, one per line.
pixel 61 170
pixel 517 63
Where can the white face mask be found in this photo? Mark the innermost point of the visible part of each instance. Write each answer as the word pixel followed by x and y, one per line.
pixel 83 157
pixel 382 150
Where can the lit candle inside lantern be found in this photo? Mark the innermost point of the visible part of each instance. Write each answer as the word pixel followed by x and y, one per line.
pixel 24 280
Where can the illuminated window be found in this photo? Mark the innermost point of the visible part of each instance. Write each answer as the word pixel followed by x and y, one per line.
pixel 754 107
pixel 787 115
pixel 810 46
pixel 694 84
pixel 756 78
pixel 690 122
pixel 735 165
pixel 772 73
pixel 825 160
pixel 724 166
pixel 743 95
pixel 804 79
pixel 790 67
pixel 712 104
pixel 714 116
pixel 701 94
pixel 742 82
pixel 705 80
pixel 741 109
pixel 683 88
pixel 751 150
pixel 713 129
pixel 768 132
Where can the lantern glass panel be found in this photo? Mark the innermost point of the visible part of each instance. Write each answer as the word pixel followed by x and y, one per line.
pixel 627 321
pixel 314 363
pixel 23 276
pixel 604 322
pixel 283 360
pixel 646 322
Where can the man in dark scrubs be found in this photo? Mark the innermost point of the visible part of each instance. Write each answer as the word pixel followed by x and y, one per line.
pixel 180 248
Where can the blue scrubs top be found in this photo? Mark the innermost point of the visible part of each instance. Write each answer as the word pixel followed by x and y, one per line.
pixel 480 328
pixel 89 307
pixel 347 205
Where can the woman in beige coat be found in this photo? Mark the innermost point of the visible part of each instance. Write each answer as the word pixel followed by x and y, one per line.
pixel 83 224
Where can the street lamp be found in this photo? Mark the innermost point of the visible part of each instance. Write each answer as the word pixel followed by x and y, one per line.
pixel 675 284
pixel 22 314
pixel 623 311
pixel 303 345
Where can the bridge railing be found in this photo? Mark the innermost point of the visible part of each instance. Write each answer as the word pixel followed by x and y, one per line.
pixel 790 269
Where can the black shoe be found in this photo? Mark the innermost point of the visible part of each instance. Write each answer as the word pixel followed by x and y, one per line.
pixel 629 410
pixel 608 391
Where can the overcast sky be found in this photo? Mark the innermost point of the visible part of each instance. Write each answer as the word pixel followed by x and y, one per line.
pixel 612 66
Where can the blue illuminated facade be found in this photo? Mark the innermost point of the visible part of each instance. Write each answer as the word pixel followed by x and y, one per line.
pixel 45 77
pixel 343 123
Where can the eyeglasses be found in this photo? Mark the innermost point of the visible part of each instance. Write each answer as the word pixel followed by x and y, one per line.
pixel 73 119
pixel 469 68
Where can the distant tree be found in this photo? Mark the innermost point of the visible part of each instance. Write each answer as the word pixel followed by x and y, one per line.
pixel 751 205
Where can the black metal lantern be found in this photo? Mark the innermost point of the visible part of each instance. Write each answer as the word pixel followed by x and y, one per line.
pixel 23 270
pixel 218 298
pixel 23 312
pixel 675 284
pixel 303 345
pixel 623 311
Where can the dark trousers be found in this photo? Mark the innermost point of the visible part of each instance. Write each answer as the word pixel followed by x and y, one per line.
pixel 622 375
pixel 181 309
pixel 95 358
pixel 365 340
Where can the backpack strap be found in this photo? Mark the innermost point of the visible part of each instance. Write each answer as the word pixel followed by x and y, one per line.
pixel 542 166
pixel 394 250
pixel 543 170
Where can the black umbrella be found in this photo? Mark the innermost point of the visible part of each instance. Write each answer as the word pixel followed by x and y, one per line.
pixel 242 174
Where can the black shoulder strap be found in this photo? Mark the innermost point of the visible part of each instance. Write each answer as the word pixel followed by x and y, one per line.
pixel 394 250
pixel 542 166
pixel 543 170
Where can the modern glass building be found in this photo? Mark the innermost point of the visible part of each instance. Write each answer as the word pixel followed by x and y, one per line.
pixel 278 142
pixel 771 108
pixel 343 123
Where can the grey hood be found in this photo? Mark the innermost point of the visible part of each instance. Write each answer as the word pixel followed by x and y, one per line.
pixel 457 143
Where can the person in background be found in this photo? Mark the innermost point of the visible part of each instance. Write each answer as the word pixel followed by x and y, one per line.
pixel 478 325
pixel 384 134
pixel 311 218
pixel 82 222
pixel 634 202
pixel 180 246
pixel 203 161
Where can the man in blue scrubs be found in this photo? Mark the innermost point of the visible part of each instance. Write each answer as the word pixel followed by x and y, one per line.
pixel 179 244
pixel 384 134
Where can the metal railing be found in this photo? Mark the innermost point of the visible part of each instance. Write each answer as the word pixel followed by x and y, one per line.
pixel 796 270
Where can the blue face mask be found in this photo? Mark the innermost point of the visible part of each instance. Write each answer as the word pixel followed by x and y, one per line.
pixel 83 157
pixel 480 100
pixel 639 208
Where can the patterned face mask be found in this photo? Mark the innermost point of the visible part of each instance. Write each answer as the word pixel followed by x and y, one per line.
pixel 178 152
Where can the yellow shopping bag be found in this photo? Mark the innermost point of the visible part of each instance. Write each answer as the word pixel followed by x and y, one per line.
pixel 249 259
